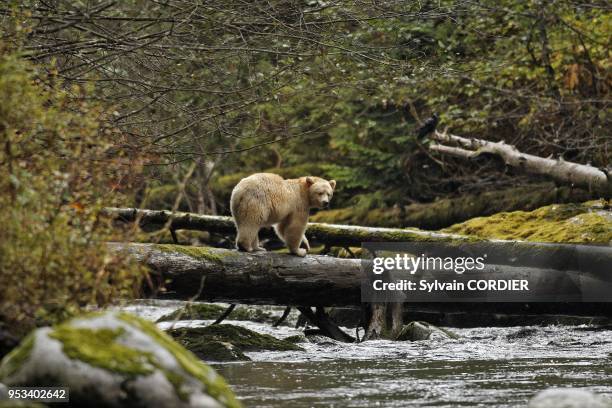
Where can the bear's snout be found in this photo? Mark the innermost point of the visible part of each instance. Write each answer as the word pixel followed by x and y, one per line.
pixel 325 203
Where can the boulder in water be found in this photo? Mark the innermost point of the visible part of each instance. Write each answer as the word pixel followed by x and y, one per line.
pixel 215 350
pixel 197 339
pixel 114 359
pixel 415 331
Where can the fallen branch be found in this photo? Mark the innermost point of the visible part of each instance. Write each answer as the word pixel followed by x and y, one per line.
pixel 580 175
pixel 333 234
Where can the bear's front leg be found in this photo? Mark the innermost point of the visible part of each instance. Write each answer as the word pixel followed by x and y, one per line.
pixel 293 234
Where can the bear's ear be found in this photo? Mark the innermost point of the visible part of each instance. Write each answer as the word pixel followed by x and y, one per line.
pixel 332 183
pixel 309 181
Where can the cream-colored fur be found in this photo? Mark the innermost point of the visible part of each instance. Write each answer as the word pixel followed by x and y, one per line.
pixel 265 200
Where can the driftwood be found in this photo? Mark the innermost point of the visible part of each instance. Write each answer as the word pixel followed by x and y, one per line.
pixel 579 175
pixel 332 234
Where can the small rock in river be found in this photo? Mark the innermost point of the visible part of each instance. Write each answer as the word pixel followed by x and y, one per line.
pixel 415 331
pixel 521 333
pixel 569 398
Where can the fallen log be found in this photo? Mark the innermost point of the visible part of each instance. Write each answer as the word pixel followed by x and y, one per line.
pixel 222 275
pixel 580 175
pixel 332 234
pixel 555 271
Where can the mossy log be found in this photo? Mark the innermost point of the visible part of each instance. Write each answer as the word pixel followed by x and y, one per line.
pixel 222 275
pixel 331 234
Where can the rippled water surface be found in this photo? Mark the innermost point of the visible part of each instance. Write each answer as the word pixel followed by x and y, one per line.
pixel 499 367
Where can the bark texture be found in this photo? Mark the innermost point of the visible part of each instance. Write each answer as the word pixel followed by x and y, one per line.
pixel 580 175
pixel 221 275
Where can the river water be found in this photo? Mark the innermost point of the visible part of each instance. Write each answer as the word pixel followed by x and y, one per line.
pixel 487 366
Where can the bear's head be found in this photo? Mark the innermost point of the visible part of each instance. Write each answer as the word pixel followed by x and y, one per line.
pixel 320 191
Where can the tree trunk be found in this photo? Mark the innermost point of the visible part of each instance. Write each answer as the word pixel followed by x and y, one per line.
pixel 383 320
pixel 580 175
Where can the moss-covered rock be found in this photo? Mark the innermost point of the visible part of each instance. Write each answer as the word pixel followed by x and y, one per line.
pixel 216 351
pixel 209 311
pixel 448 211
pixel 115 360
pixel 295 339
pixel 194 311
pixel 590 222
pixel 521 333
pixel 244 339
pixel 415 331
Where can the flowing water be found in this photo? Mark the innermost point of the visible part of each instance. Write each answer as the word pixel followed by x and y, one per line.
pixel 488 366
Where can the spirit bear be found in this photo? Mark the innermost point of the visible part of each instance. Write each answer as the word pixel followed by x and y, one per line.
pixel 265 199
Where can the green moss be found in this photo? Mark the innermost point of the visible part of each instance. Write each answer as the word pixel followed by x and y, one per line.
pixel 298 338
pixel 245 339
pixel 364 235
pixel 336 216
pixel 207 311
pixel 177 382
pixel 214 350
pixel 194 311
pixel 447 211
pixel 195 252
pixel 590 222
pixel 99 348
pixel 214 384
pixel 14 360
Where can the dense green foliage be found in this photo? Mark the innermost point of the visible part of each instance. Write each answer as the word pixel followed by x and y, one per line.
pixel 210 91
pixel 533 74
pixel 58 167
